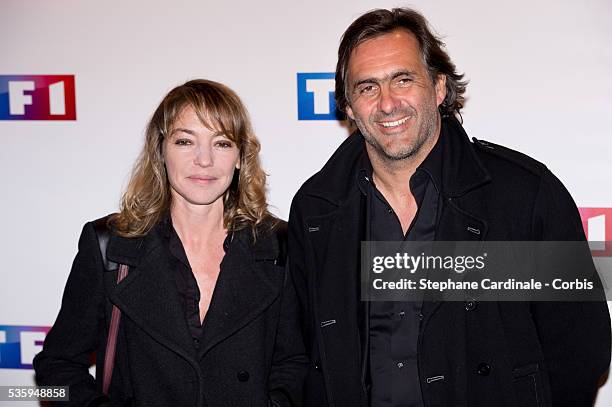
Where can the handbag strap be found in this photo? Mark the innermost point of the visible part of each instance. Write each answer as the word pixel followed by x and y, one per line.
pixel 111 342
pixel 103 235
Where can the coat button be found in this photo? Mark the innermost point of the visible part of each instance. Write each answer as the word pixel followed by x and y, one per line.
pixel 317 365
pixel 243 375
pixel 471 305
pixel 484 369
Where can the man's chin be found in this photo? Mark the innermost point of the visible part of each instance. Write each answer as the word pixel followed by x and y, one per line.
pixel 389 154
pixel 398 156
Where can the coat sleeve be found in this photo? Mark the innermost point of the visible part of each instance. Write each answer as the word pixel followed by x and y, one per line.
pixel 575 336
pixel 289 361
pixel 297 268
pixel 67 349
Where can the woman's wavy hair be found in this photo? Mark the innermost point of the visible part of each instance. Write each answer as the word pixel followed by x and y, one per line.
pixel 381 21
pixel 147 197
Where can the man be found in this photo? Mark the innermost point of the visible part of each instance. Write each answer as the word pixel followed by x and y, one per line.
pixel 411 173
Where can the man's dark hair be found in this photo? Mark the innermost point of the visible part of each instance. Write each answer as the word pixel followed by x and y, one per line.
pixel 381 21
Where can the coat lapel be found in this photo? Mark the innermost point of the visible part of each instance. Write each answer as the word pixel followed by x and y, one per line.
pixel 454 225
pixel 148 295
pixel 462 174
pixel 335 239
pixel 248 283
pixel 336 257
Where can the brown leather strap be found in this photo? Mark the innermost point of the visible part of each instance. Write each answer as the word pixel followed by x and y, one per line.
pixel 111 342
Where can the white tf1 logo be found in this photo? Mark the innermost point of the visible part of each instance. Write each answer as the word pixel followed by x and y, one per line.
pixel 37 97
pixel 316 96
pixel 597 224
pixel 19 99
pixel 19 345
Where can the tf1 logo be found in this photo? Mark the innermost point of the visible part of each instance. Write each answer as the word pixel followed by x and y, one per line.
pixel 19 345
pixel 316 96
pixel 37 97
pixel 597 224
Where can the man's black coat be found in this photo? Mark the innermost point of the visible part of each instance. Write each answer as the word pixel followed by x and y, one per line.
pixel 251 347
pixel 469 354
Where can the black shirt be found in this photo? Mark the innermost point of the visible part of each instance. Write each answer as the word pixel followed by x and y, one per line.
pixel 186 283
pixel 394 325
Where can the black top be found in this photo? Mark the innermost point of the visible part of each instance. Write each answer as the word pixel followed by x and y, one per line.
pixel 394 325
pixel 186 283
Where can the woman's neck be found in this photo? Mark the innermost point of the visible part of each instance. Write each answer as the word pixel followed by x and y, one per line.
pixel 198 224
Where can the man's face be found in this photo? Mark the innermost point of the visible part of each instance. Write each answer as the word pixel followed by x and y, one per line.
pixel 391 96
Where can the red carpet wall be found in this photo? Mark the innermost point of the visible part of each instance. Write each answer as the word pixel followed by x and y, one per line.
pixel 79 80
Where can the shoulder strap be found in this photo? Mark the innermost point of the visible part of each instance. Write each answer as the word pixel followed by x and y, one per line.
pixel 103 235
pixel 281 231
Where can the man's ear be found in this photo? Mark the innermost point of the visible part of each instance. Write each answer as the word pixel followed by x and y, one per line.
pixel 440 89
pixel 349 113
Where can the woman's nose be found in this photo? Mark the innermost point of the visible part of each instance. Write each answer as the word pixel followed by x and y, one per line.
pixel 204 156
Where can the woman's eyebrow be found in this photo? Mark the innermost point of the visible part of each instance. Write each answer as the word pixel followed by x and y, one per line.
pixel 183 130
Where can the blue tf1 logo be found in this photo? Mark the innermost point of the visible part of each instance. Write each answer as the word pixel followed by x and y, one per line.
pixel 316 96
pixel 19 345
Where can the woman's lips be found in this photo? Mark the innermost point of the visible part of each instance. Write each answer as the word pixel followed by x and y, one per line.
pixel 203 179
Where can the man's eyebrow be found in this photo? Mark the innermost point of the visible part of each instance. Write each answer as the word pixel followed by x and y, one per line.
pixel 391 76
pixel 366 80
pixel 396 74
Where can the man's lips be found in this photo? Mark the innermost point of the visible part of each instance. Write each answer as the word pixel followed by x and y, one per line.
pixel 394 123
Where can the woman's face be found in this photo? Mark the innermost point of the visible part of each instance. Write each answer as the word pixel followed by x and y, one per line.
pixel 200 162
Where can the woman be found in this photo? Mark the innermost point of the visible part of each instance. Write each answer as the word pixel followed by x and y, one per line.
pixel 208 316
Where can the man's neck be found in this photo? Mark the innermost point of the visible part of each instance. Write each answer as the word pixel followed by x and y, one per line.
pixel 392 176
pixel 392 179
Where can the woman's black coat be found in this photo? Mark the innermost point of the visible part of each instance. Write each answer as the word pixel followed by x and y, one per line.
pixel 251 351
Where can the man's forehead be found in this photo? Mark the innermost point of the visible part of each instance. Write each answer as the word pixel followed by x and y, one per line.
pixel 399 36
pixel 380 53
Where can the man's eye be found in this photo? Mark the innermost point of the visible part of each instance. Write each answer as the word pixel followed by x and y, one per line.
pixel 403 81
pixel 368 89
pixel 182 142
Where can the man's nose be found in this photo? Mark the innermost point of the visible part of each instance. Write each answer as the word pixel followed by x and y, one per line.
pixel 388 101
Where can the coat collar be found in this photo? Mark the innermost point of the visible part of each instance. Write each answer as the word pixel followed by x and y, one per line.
pixel 461 170
pixel 247 284
pixel 132 251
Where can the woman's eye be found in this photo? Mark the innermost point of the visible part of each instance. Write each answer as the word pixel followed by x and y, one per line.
pixel 182 142
pixel 224 144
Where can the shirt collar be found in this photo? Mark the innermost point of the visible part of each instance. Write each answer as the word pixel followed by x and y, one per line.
pixel 431 167
pixel 168 233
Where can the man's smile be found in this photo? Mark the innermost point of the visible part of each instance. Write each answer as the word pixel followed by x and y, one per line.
pixel 394 123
